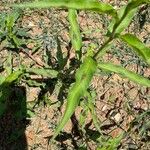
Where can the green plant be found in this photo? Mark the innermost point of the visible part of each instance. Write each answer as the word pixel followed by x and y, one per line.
pixel 6 84
pixel 13 77
pixel 91 61
pixel 12 36
pixel 111 144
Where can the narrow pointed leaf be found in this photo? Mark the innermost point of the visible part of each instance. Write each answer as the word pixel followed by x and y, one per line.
pixel 59 55
pixel 125 16
pixel 83 78
pixel 125 73
pixel 94 116
pixel 74 4
pixel 43 72
pixel 13 77
pixel 135 3
pixel 11 19
pixel 75 34
pixel 138 46
pixel 117 26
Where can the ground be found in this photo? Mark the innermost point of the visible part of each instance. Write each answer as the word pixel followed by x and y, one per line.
pixel 121 106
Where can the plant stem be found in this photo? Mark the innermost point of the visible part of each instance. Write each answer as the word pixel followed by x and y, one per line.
pixel 102 47
pixel 112 34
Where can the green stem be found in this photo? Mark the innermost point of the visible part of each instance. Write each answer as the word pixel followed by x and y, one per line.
pixel 112 36
pixel 102 48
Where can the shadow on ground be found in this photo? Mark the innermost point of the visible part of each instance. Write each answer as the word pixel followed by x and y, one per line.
pixel 13 122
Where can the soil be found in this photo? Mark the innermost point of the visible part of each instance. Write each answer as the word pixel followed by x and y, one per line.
pixel 118 101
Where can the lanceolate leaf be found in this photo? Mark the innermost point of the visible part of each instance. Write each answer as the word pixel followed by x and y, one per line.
pixel 91 107
pixel 125 73
pixel 83 78
pixel 11 19
pixel 138 46
pixel 43 72
pixel 135 3
pixel 74 30
pixel 92 5
pixel 117 26
pixel 125 16
pixel 13 77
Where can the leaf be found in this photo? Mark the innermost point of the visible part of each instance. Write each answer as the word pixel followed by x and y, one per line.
pixel 75 34
pixel 112 143
pixel 125 73
pixel 138 46
pixel 33 83
pixel 2 79
pixel 13 77
pixel 8 63
pixel 135 3
pixel 61 60
pixel 16 41
pixel 43 72
pixel 144 128
pixel 94 116
pixel 22 32
pixel 5 90
pixel 83 78
pixel 125 15
pixel 11 19
pixel 117 27
pixel 83 116
pixel 2 24
pixel 73 4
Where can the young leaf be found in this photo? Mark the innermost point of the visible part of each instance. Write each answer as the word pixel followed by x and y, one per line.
pixel 11 19
pixel 112 143
pixel 75 30
pixel 8 63
pixel 92 110
pixel 83 78
pixel 125 16
pixel 92 5
pixel 135 3
pixel 125 73
pixel 138 46
pixel 13 77
pixel 61 60
pixel 43 72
